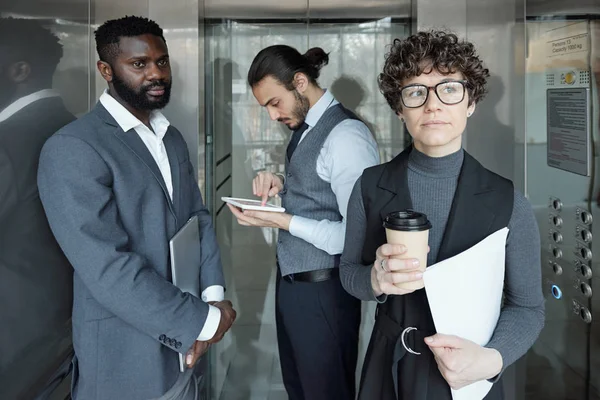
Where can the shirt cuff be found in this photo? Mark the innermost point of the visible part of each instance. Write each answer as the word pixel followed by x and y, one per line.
pixel 303 228
pixel 211 324
pixel 213 293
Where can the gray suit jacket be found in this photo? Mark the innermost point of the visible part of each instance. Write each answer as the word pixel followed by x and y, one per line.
pixel 110 211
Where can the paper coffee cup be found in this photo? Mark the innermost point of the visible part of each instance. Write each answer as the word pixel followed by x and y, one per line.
pixel 411 229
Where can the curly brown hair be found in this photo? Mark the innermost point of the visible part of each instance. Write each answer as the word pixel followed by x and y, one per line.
pixel 424 51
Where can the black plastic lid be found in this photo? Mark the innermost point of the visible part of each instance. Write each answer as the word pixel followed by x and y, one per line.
pixel 409 221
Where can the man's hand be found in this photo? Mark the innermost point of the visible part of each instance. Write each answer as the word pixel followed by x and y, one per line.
pixel 265 219
pixel 228 316
pixel 193 355
pixel 463 362
pixel 266 185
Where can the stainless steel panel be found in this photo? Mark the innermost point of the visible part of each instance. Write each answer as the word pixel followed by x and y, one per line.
pixel 358 9
pixel 432 14
pixel 561 364
pixel 102 11
pixel 541 8
pixel 495 132
pixel 179 21
pixel 302 9
pixel 260 9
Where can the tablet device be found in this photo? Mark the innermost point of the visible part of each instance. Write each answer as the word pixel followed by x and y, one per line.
pixel 247 204
pixel 185 262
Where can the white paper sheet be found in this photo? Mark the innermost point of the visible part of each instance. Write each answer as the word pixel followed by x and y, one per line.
pixel 465 295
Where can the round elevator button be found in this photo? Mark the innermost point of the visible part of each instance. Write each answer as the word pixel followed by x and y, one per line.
pixel 586 253
pixel 557 205
pixel 586 217
pixel 557 237
pixel 557 221
pixel 585 271
pixel 586 235
pixel 557 269
pixel 585 315
pixel 586 289
pixel 556 292
pixel 557 253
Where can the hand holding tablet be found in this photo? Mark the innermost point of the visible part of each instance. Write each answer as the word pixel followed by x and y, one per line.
pixel 248 204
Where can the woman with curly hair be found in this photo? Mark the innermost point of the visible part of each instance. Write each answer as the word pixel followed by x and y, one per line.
pixel 434 82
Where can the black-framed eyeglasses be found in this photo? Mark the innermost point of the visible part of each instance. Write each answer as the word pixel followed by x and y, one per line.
pixel 449 93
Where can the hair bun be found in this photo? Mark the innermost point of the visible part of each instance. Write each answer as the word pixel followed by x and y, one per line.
pixel 317 57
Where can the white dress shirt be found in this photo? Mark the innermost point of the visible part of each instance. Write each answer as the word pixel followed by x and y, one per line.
pixel 347 151
pixel 156 147
pixel 24 101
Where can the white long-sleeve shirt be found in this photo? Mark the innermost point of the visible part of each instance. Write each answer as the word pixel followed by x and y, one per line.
pixel 156 147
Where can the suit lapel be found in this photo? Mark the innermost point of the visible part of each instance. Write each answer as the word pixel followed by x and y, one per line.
pixel 135 144
pixel 174 164
pixel 470 219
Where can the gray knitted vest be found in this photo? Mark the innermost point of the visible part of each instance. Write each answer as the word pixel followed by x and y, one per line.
pixel 305 194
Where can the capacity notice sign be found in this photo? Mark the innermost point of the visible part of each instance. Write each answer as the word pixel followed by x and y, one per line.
pixel 568 45
pixel 569 146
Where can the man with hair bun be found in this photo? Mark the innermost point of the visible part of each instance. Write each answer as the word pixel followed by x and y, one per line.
pixel 317 321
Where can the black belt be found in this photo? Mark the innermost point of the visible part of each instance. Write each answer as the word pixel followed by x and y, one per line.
pixel 318 275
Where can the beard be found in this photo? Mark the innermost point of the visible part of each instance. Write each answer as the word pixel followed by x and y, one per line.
pixel 139 98
pixel 300 110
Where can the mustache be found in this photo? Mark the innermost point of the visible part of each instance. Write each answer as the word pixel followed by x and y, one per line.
pixel 157 84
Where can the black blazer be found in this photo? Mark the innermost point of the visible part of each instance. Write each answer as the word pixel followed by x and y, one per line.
pixel 482 205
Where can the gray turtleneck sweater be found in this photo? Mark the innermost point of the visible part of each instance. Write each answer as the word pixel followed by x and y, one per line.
pixel 432 183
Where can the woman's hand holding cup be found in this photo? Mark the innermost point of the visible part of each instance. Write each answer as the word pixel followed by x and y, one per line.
pixel 389 270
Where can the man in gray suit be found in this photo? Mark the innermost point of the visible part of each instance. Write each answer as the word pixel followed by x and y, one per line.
pixel 116 185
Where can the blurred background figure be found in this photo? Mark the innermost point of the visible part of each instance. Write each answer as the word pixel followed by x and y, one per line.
pixel 35 276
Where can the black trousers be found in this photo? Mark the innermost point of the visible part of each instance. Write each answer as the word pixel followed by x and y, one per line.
pixel 317 333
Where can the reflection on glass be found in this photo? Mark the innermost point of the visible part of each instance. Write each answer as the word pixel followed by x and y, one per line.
pixel 356 54
pixel 35 276
pixel 249 367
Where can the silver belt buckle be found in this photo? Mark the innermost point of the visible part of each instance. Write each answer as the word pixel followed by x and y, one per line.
pixel 404 332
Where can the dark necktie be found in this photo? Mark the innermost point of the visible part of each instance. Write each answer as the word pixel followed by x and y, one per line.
pixel 296 136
